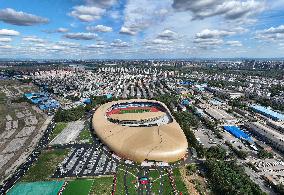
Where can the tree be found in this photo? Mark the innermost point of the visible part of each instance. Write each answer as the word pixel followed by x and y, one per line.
pixel 216 152
pixel 263 154
pixel 226 177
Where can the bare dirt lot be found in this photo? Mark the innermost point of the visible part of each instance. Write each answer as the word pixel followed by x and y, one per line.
pixel 20 125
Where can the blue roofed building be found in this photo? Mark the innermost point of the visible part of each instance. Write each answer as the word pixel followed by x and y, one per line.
pixel 108 96
pixel 49 104
pixel 238 133
pixel 185 83
pixel 185 102
pixel 43 101
pixel 268 112
pixel 87 101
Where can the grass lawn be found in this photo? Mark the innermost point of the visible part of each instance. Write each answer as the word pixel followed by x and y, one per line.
pixel 45 165
pixel 58 129
pixel 155 180
pixel 179 183
pixel 130 180
pixel 86 134
pixel 102 186
pixel 78 186
pixel 167 188
pixel 119 182
pixel 134 111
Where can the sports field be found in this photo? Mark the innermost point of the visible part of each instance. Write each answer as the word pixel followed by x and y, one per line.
pixel 134 111
pixel 46 165
pixel 102 186
pixel 78 186
pixel 36 188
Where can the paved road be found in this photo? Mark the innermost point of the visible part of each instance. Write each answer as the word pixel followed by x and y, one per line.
pixel 255 178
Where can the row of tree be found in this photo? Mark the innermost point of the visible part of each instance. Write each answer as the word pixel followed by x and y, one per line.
pixel 226 177
pixel 74 114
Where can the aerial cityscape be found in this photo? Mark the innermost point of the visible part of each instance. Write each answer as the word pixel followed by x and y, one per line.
pixel 126 97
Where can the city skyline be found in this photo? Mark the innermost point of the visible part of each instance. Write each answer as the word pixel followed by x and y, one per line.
pixel 113 29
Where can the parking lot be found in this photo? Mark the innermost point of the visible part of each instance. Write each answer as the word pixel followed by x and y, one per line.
pixel 206 137
pixel 89 160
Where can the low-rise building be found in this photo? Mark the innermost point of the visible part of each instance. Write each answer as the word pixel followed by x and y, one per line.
pixel 268 134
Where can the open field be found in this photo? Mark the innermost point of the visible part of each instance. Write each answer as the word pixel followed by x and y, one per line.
pixel 3 110
pixel 69 133
pixel 58 129
pixel 179 182
pixel 131 180
pixel 86 136
pixel 156 180
pixel 102 186
pixel 46 165
pixel 21 125
pixel 78 186
pixel 35 188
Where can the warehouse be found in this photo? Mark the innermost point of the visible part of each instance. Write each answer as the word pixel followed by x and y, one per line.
pixel 268 112
pixel 268 134
pixel 238 133
pixel 220 115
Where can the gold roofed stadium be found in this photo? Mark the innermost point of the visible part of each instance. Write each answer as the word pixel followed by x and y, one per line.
pixel 140 130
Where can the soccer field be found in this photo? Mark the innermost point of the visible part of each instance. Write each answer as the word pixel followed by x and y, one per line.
pixel 134 111
pixel 79 186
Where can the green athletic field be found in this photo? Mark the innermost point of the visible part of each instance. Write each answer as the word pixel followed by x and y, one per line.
pixel 134 111
pixel 78 186
pixel 36 188
pixel 102 186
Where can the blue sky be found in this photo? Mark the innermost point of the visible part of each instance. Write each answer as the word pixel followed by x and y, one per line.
pixel 99 29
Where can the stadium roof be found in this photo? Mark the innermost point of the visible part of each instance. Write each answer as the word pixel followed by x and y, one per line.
pixel 165 142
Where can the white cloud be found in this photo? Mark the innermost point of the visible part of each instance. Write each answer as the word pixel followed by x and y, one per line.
pixel 230 9
pixel 87 13
pixel 68 44
pixel 5 39
pixel 11 16
pixel 139 15
pixel 234 43
pixel 98 45
pixel 168 34
pixel 119 43
pixel 62 30
pixel 127 31
pixel 101 3
pixel 208 34
pixel 161 41
pixel 6 47
pixel 33 39
pixel 81 36
pixel 99 28
pixel 7 32
pixel 271 34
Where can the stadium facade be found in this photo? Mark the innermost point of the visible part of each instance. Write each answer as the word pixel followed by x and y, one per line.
pixel 140 130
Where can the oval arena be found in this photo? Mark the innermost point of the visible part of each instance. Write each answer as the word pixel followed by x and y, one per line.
pixel 140 130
